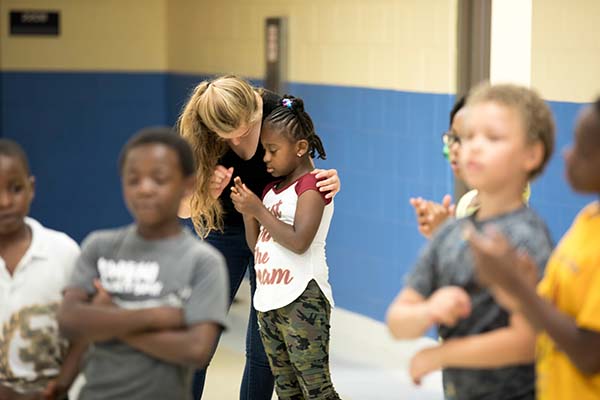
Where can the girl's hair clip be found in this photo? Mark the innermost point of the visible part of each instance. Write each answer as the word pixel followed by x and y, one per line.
pixel 287 103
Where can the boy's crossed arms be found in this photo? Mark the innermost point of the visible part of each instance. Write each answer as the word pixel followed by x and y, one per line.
pixel 157 331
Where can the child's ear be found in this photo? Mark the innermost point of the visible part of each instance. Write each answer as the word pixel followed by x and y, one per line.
pixel 301 147
pixel 534 156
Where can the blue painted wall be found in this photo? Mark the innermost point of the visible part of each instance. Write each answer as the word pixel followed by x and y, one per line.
pixel 385 145
pixel 551 195
pixel 72 126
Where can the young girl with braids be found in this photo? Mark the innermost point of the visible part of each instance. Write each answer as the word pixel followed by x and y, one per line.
pixel 222 121
pixel 287 231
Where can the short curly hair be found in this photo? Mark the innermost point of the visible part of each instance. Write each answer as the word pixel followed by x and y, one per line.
pixel 537 117
pixel 10 148
pixel 167 137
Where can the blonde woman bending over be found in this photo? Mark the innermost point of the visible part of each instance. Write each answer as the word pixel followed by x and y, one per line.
pixel 222 121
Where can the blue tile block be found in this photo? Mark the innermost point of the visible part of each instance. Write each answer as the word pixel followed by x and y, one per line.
pixel 385 144
pixel 72 126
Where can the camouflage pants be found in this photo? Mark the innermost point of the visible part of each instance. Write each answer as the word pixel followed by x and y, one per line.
pixel 296 340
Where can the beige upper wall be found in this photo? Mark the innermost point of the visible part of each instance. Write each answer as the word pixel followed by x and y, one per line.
pixel 395 44
pixel 565 59
pixel 109 35
pixel 392 44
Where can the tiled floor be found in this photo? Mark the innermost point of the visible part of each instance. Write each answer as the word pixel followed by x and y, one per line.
pixel 366 364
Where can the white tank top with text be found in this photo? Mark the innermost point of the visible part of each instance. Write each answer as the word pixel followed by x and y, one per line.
pixel 282 275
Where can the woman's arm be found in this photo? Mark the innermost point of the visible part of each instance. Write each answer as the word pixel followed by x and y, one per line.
pixel 218 182
pixel 329 181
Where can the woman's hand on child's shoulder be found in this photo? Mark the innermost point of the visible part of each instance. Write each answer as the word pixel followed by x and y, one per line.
pixel 244 200
pixel 328 181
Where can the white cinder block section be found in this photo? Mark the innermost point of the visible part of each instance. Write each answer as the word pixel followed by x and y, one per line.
pixel 393 44
pixel 510 47
pixel 109 35
pixel 565 57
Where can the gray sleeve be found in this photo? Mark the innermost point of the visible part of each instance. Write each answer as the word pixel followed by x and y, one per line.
pixel 86 270
pixel 535 240
pixel 209 299
pixel 422 278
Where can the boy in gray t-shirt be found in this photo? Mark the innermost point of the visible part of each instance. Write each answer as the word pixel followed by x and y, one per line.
pixel 507 140
pixel 447 262
pixel 150 297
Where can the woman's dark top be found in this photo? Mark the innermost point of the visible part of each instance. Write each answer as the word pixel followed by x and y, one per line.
pixel 253 172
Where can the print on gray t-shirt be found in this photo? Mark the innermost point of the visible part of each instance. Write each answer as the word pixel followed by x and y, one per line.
pixel 179 271
pixel 446 261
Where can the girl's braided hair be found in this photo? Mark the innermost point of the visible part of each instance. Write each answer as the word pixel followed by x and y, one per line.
pixel 291 118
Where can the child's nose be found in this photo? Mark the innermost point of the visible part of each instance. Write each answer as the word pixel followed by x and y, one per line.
pixel 474 144
pixel 5 199
pixel 146 186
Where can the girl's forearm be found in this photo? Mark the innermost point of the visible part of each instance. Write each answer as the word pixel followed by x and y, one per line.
pixel 282 233
pixel 252 228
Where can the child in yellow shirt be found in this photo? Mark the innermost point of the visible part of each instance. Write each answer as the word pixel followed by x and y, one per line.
pixel 565 311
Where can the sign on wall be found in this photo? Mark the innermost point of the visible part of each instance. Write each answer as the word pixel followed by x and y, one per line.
pixel 276 54
pixel 33 22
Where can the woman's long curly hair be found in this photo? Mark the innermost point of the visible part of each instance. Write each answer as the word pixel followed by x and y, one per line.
pixel 219 105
